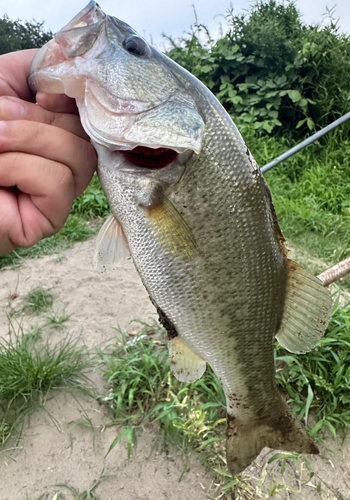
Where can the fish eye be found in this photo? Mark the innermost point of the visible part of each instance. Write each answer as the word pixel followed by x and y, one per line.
pixel 135 45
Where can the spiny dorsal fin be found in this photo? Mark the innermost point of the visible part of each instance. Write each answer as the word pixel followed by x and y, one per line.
pixel 170 227
pixel 184 363
pixel 111 247
pixel 307 311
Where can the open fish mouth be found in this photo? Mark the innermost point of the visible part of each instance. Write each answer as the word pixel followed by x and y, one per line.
pixel 145 157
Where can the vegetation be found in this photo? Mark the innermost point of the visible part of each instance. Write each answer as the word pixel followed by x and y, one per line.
pixel 20 35
pixel 36 301
pixel 311 195
pixel 76 229
pixel 271 70
pixel 143 390
pixel 31 366
pixel 29 370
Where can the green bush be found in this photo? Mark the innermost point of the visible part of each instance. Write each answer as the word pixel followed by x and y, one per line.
pixel 272 70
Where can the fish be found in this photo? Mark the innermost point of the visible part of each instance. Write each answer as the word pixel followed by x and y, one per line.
pixel 190 205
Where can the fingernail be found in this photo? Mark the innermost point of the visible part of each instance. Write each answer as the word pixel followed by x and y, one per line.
pixel 11 109
pixel 2 126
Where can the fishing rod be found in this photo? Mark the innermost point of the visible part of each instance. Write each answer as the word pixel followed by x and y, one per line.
pixel 305 143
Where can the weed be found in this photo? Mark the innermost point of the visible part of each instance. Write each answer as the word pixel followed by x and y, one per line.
pixel 89 493
pixel 28 372
pixel 56 320
pixel 143 390
pixel 272 70
pixel 37 301
pixel 34 334
pixel 92 203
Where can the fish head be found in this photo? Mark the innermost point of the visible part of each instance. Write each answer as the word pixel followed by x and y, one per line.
pixel 130 97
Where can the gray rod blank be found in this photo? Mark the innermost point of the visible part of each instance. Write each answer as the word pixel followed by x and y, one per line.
pixel 305 143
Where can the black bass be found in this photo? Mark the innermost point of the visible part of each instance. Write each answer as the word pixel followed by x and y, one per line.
pixel 189 203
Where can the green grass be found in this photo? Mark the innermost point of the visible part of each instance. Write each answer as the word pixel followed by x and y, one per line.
pixel 56 320
pixel 36 301
pixel 143 391
pixel 29 370
pixel 74 493
pixel 92 203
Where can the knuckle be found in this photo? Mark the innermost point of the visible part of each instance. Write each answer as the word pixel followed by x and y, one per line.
pixel 4 136
pixel 65 180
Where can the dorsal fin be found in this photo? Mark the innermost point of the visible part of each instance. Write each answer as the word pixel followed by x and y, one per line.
pixel 307 310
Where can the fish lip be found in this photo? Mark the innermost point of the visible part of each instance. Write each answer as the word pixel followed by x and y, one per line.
pixel 46 57
pixel 82 17
pixel 52 54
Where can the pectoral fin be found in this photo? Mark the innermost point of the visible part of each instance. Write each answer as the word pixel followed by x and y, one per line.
pixel 184 363
pixel 307 311
pixel 111 247
pixel 171 229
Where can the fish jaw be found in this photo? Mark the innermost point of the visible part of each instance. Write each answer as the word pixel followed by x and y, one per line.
pixel 125 100
pixel 52 69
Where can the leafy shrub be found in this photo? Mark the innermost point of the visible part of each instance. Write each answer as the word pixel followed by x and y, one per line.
pixel 271 70
pixel 20 35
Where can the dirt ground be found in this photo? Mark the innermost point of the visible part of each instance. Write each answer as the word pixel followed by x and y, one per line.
pixel 54 451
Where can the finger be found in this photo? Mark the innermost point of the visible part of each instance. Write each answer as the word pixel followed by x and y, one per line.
pixel 12 108
pixel 14 69
pixel 53 144
pixel 58 103
pixel 24 224
pixel 47 188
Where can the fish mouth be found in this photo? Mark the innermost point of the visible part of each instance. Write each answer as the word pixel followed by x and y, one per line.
pixel 150 158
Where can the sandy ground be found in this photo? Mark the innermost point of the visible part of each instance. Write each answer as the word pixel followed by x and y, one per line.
pixel 55 451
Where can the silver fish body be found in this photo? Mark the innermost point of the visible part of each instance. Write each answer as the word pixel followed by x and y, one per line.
pixel 201 228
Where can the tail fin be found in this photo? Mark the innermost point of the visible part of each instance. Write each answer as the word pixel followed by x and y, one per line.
pixel 281 432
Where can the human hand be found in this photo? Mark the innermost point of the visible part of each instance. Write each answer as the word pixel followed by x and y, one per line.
pixel 46 159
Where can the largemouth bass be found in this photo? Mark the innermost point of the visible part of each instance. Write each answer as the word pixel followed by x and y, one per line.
pixel 189 203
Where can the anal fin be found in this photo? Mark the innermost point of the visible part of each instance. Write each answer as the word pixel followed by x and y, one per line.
pixel 184 363
pixel 307 311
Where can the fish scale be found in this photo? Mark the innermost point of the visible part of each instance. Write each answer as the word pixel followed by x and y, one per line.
pixel 201 230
